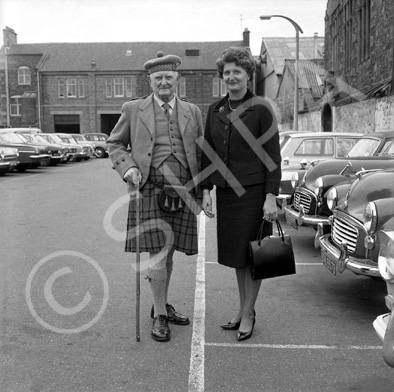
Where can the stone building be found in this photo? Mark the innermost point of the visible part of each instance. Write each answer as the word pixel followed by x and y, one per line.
pixel 276 76
pixel 80 87
pixel 359 61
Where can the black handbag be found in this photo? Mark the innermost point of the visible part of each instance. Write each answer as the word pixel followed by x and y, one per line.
pixel 272 256
pixel 170 197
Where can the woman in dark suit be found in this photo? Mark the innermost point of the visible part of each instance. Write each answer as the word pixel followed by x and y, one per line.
pixel 242 159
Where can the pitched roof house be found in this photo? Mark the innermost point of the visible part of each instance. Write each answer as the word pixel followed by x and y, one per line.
pixel 80 87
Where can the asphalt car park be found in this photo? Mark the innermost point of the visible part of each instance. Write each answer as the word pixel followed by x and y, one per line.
pixel 313 332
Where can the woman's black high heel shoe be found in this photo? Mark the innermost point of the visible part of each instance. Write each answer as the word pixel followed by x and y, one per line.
pixel 246 335
pixel 231 326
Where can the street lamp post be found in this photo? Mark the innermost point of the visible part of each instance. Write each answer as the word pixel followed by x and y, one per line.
pixel 298 31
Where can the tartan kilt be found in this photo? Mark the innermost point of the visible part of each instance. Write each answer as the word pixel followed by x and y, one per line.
pixel 159 228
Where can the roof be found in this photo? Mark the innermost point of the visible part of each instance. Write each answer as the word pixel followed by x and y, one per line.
pixel 281 48
pixel 310 76
pixel 121 56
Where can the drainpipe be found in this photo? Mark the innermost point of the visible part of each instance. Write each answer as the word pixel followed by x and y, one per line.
pixel 38 99
pixel 7 88
pixel 392 75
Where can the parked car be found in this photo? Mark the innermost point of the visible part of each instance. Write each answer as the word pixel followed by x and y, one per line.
pixel 308 206
pixel 8 159
pixel 80 139
pixel 384 324
pixel 58 153
pixel 99 139
pixel 357 218
pixel 71 151
pixel 30 157
pixel 81 153
pixel 300 150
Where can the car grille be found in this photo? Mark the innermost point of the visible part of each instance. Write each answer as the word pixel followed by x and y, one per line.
pixel 302 200
pixel 343 231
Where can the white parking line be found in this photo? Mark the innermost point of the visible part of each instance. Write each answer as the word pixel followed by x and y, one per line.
pixel 321 264
pixel 196 371
pixel 296 346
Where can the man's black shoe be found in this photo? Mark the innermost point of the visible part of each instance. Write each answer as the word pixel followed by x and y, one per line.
pixel 173 316
pixel 160 330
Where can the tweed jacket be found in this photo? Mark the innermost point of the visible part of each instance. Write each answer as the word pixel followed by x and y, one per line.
pixel 245 143
pixel 136 128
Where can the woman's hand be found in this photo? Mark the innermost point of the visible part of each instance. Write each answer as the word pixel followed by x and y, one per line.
pixel 207 204
pixel 270 209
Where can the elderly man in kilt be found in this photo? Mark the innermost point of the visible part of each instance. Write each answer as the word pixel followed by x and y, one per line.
pixel 162 132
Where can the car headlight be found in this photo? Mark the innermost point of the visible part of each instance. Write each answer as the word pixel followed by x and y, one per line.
pixel 386 255
pixel 294 180
pixel 319 186
pixel 332 198
pixel 36 150
pixel 371 217
pixel 2 155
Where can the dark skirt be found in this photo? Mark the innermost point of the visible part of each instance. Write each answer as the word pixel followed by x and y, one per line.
pixel 159 228
pixel 238 222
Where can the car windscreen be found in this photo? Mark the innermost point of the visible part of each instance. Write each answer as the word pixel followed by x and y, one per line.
pixel 365 147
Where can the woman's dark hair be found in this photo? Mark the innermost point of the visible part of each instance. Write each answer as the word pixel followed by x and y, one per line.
pixel 238 55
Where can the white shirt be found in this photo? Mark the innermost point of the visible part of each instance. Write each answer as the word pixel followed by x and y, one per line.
pixel 171 104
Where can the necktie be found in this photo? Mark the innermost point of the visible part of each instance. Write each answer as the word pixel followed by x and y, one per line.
pixel 166 108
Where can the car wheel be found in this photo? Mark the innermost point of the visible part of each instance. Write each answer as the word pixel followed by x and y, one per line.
pixel 78 159
pixel 100 152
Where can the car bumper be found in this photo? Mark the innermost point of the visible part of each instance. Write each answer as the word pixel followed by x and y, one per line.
pixel 298 218
pixel 337 260
pixel 40 156
pixel 282 200
pixel 6 167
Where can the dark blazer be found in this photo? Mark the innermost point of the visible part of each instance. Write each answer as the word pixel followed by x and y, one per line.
pixel 233 137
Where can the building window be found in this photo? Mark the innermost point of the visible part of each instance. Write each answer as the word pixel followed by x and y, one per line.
pixel 14 106
pixel 24 75
pixel 129 88
pixel 108 87
pixel 118 87
pixel 181 88
pixel 223 88
pixel 68 88
pixel 71 88
pixel 219 89
pixel 334 29
pixel 348 34
pixel 60 88
pixel 364 30
pixel 81 88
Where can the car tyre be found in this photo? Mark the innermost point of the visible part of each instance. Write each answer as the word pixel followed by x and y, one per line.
pixel 100 153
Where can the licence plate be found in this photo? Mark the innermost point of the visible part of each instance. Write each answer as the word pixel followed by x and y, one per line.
pixel 331 265
pixel 291 221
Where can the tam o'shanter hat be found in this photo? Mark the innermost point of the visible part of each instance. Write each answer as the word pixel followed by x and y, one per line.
pixel 170 62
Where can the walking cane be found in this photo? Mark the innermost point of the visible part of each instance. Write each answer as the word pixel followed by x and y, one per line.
pixel 137 243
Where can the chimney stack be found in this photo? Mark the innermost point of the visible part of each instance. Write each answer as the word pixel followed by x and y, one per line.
pixel 246 38
pixel 9 37
pixel 315 46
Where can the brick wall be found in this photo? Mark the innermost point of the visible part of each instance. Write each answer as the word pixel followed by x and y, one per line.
pixel 28 106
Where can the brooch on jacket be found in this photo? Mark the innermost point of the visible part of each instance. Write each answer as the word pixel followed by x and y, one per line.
pixel 221 109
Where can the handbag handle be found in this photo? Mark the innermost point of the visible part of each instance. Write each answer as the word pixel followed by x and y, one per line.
pixel 278 225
